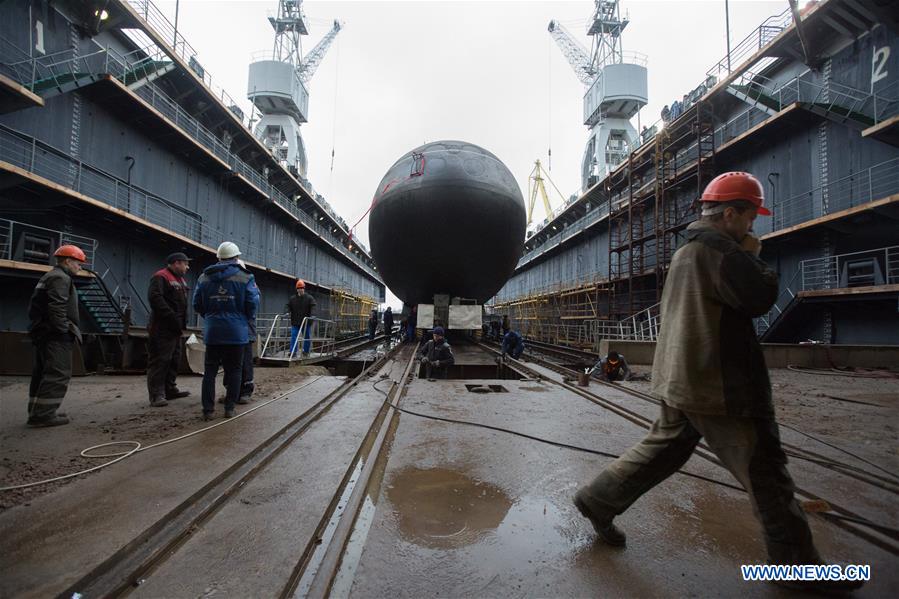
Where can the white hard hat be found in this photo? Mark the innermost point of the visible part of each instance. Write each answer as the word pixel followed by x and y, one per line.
pixel 227 249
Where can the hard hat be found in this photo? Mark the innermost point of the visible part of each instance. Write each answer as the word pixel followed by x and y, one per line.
pixel 70 251
pixel 736 185
pixel 226 250
pixel 301 284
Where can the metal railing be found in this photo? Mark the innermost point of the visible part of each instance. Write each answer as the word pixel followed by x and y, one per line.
pixel 320 342
pixel 9 237
pixel 876 182
pixel 881 267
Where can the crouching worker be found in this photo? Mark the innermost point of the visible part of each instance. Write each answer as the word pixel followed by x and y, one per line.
pixel 513 345
pixel 53 311
pixel 436 355
pixel 612 368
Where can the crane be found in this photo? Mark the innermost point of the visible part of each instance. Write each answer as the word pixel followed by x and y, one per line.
pixel 610 101
pixel 535 185
pixel 278 85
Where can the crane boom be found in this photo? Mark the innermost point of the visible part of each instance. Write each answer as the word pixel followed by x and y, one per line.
pixel 575 53
pixel 314 58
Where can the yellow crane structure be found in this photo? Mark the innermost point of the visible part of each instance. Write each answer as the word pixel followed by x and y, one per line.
pixel 535 185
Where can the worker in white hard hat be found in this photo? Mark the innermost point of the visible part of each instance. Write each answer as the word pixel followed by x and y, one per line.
pixel 710 375
pixel 227 298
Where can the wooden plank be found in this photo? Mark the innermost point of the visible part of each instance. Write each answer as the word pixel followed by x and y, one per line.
pixel 887 124
pixel 844 291
pixel 26 97
pixel 832 217
pixel 30 266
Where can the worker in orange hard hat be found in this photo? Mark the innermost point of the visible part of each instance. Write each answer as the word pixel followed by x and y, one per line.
pixel 300 307
pixel 711 376
pixel 53 311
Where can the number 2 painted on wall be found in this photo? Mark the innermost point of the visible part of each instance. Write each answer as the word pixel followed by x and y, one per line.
pixel 879 64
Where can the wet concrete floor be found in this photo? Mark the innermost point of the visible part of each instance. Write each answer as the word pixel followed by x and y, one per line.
pixel 468 512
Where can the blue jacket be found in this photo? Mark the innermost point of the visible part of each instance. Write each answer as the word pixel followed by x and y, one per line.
pixel 512 340
pixel 226 297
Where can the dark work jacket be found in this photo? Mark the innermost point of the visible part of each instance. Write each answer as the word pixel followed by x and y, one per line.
pixel 300 307
pixel 168 303
pixel 53 308
pixel 388 322
pixel 708 359
pixel 227 298
pixel 442 352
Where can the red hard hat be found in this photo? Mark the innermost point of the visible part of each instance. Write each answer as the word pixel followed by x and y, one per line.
pixel 301 284
pixel 70 251
pixel 736 185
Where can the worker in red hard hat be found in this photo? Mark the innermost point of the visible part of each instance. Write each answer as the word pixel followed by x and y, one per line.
pixel 53 311
pixel 711 376
pixel 300 307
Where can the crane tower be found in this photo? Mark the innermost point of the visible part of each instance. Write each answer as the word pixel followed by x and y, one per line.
pixel 277 84
pixel 616 85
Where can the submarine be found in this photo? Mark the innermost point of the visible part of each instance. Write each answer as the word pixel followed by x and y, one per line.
pixel 447 218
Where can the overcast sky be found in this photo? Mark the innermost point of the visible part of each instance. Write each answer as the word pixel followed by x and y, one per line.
pixel 404 73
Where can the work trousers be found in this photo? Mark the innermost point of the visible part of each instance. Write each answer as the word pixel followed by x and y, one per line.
pixel 294 333
pixel 231 358
pixel 247 386
pixel 748 447
pixel 163 358
pixel 50 374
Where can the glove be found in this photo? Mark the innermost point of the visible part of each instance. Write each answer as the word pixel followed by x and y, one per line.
pixel 425 360
pixel 436 363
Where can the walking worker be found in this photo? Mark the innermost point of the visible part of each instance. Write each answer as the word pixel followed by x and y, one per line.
pixel 437 355
pixel 227 298
pixel 168 319
pixel 300 307
pixel 53 311
pixel 612 368
pixel 710 373
pixel 388 323
pixel 513 345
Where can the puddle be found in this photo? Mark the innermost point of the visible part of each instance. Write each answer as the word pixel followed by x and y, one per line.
pixel 444 509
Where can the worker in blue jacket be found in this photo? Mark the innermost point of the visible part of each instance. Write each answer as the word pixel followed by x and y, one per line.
pixel 513 345
pixel 227 298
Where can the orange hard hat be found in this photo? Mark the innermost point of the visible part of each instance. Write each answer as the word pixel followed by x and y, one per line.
pixel 70 251
pixel 736 185
pixel 301 284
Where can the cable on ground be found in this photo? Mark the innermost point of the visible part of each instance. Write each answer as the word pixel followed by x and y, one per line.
pixel 121 455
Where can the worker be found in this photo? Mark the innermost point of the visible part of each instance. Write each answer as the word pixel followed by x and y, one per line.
pixel 54 328
pixel 300 307
pixel 613 367
pixel 437 355
pixel 388 323
pixel 247 386
pixel 710 373
pixel 373 324
pixel 412 324
pixel 227 298
pixel 513 345
pixel 167 295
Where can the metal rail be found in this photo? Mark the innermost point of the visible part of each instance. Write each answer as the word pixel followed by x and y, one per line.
pixel 158 543
pixel 886 538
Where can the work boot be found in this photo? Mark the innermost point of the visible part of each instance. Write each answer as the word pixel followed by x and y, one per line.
pixel 56 420
pixel 207 416
pixel 158 402
pixel 176 393
pixel 602 521
pixel 229 413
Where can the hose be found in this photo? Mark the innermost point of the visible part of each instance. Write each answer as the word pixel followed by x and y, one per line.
pixel 121 455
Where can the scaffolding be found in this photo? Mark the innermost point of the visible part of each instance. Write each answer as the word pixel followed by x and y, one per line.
pixel 350 312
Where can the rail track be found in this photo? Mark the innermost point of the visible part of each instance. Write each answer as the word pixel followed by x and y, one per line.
pixel 159 543
pixel 885 537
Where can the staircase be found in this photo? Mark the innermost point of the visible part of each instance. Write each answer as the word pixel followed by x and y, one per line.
pixel 754 96
pixel 99 303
